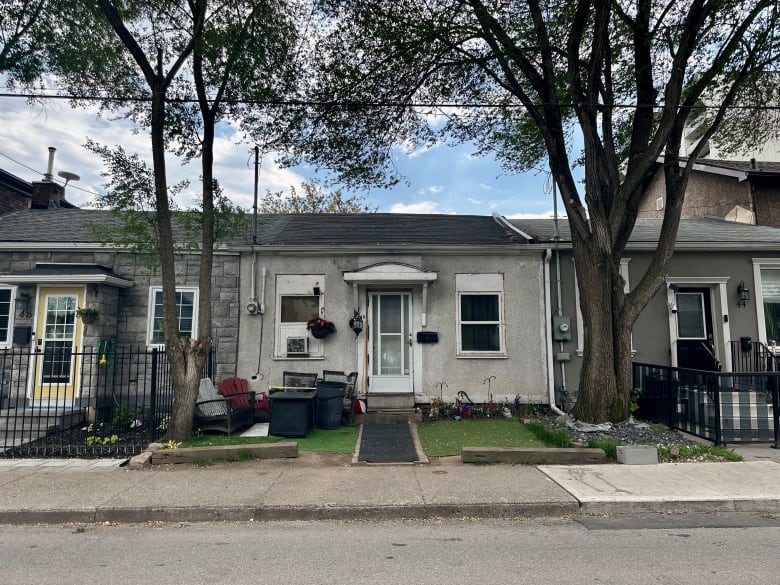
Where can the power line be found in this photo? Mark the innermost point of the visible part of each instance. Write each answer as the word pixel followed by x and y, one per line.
pixel 37 172
pixel 369 104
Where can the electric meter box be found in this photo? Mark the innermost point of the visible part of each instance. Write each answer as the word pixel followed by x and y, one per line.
pixel 561 327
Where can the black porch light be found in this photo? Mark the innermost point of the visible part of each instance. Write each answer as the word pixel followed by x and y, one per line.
pixel 743 294
pixel 356 323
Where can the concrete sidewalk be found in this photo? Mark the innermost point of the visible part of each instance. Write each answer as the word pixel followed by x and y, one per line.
pixel 327 487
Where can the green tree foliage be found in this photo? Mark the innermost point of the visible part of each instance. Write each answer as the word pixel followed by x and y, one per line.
pixel 624 76
pixel 24 29
pixel 313 199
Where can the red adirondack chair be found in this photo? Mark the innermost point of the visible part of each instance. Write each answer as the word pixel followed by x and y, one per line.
pixel 237 389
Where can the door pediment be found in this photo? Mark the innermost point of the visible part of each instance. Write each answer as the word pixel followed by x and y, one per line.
pixel 389 273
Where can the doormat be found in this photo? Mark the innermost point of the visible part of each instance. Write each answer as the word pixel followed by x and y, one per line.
pixel 387 442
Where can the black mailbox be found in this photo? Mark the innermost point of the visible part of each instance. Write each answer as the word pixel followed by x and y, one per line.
pixel 746 343
pixel 22 334
pixel 427 337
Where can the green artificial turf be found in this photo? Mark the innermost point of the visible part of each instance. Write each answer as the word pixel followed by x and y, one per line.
pixel 447 437
pixel 341 440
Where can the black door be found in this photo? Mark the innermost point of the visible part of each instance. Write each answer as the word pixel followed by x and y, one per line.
pixel 695 348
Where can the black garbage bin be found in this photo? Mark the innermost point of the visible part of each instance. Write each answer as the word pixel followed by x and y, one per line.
pixel 329 404
pixel 292 413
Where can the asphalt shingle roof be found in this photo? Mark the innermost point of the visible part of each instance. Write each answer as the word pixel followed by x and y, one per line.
pixel 373 229
pixel 692 231
pixel 380 229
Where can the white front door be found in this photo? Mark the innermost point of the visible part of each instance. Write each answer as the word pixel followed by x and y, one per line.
pixel 390 355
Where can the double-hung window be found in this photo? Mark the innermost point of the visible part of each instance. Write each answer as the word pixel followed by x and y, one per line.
pixel 186 314
pixel 6 315
pixel 296 303
pixel 480 307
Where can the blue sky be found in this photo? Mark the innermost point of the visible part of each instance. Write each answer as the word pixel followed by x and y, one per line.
pixel 442 179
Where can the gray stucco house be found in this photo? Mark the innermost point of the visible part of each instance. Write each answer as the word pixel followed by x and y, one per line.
pixel 446 303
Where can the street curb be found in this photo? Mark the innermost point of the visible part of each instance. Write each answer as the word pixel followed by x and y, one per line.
pixel 768 505
pixel 533 455
pixel 290 513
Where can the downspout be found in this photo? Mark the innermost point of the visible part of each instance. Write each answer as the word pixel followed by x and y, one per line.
pixel 548 336
pixel 562 364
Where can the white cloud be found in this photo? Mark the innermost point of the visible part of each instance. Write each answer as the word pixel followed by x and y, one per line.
pixel 543 215
pixel 410 151
pixel 421 207
pixel 28 131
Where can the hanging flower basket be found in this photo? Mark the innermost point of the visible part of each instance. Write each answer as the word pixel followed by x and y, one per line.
pixel 320 328
pixel 88 316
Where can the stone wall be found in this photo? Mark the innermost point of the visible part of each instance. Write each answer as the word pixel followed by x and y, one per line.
pixel 124 313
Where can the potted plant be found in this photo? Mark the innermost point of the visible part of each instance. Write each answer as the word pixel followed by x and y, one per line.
pixel 320 328
pixel 87 315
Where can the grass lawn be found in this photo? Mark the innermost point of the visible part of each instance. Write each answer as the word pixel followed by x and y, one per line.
pixel 447 437
pixel 341 440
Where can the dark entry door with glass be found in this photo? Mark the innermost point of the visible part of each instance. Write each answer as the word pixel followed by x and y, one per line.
pixel 695 348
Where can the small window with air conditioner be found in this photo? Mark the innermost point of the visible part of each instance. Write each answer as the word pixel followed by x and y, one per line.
pixel 296 303
pixel 297 346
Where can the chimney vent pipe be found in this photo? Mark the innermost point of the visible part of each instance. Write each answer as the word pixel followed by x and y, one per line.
pixel 49 177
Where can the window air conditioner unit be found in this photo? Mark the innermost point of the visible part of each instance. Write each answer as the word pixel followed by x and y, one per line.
pixel 297 345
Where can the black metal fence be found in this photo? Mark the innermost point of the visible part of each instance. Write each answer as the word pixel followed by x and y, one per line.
pixel 100 401
pixel 748 355
pixel 723 407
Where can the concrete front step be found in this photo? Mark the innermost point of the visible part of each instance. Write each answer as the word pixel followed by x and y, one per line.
pixel 388 401
pixel 393 414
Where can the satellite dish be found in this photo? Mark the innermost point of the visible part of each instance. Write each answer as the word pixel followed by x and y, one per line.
pixel 68 176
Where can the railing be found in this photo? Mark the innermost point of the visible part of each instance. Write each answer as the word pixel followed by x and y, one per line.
pixel 748 355
pixel 723 407
pixel 93 402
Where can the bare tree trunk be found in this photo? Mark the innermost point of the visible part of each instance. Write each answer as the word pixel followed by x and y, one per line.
pixel 624 371
pixel 598 384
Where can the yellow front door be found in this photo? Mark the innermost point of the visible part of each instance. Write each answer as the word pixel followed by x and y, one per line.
pixel 58 341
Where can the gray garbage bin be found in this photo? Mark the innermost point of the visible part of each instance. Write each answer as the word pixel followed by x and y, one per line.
pixel 329 404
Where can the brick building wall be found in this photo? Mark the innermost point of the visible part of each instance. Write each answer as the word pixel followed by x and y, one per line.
pixel 707 194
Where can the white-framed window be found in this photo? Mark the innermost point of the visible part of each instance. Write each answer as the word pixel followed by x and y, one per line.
pixel 7 299
pixel 480 315
pixel 186 314
pixel 296 303
pixel 769 301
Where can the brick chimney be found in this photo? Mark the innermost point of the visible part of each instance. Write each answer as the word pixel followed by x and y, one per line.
pixel 47 193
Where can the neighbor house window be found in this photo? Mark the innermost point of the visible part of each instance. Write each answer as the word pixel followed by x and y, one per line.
pixel 186 314
pixel 770 291
pixel 6 315
pixel 296 303
pixel 480 314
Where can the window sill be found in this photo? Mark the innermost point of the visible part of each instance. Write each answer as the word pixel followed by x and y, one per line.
pixel 482 356
pixel 308 358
